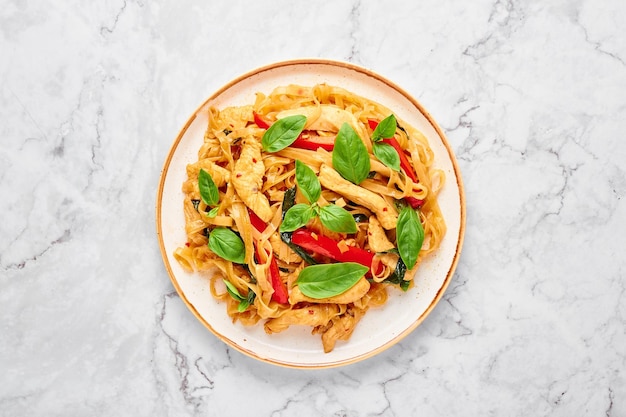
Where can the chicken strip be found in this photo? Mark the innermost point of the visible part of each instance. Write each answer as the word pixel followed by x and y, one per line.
pixel 238 117
pixel 248 179
pixel 341 329
pixel 219 175
pixel 385 212
pixel 282 250
pixel 376 236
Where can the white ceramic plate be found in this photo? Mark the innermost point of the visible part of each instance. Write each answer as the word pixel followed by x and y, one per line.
pixel 381 327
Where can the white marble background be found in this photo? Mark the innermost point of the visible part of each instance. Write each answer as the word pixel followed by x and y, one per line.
pixel 532 95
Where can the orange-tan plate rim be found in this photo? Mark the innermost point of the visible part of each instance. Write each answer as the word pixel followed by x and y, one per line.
pixel 457 173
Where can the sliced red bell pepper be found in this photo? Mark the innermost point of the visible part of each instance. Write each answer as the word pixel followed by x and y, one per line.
pixel 319 244
pixel 414 202
pixel 404 161
pixel 280 294
pixel 261 121
pixel 311 141
pixel 408 169
pixel 328 247
pixel 256 221
pixel 404 164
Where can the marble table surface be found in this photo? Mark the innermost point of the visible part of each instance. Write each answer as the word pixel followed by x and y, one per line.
pixel 532 97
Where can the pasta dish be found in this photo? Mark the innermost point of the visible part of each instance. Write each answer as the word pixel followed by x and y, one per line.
pixel 307 206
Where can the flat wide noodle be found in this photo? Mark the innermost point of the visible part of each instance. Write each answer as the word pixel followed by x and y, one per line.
pixel 252 182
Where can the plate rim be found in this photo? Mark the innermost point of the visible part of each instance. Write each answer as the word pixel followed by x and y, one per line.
pixel 457 173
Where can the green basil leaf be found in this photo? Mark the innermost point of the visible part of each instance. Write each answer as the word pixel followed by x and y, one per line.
pixel 387 155
pixel 350 156
pixel 296 217
pixel 337 219
pixel 385 129
pixel 410 236
pixel 288 201
pixel 232 290
pixel 244 302
pixel 208 190
pixel 251 297
pixel 283 133
pixel 307 181
pixel 328 280
pixel 243 306
pixel 226 244
pixel 397 277
pixel 213 212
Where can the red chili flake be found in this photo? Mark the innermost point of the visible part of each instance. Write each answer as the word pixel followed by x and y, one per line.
pixel 254 160
pixel 187 244
pixel 384 208
pixel 311 312
pixel 238 175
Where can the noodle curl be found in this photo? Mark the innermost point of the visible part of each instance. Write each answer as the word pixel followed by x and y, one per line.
pixel 256 187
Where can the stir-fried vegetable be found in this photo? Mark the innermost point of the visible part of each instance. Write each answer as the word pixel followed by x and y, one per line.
pixel 349 221
pixel 280 294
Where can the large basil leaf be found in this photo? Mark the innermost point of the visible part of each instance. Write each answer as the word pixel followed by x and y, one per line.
pixel 387 155
pixel 226 244
pixel 296 217
pixel 337 219
pixel 385 129
pixel 308 182
pixel 283 133
pixel 328 280
pixel 350 156
pixel 208 190
pixel 409 235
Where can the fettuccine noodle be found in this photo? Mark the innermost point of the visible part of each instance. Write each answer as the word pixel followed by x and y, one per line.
pixel 253 182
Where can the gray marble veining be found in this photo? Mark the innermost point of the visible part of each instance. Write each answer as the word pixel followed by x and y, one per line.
pixel 531 96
